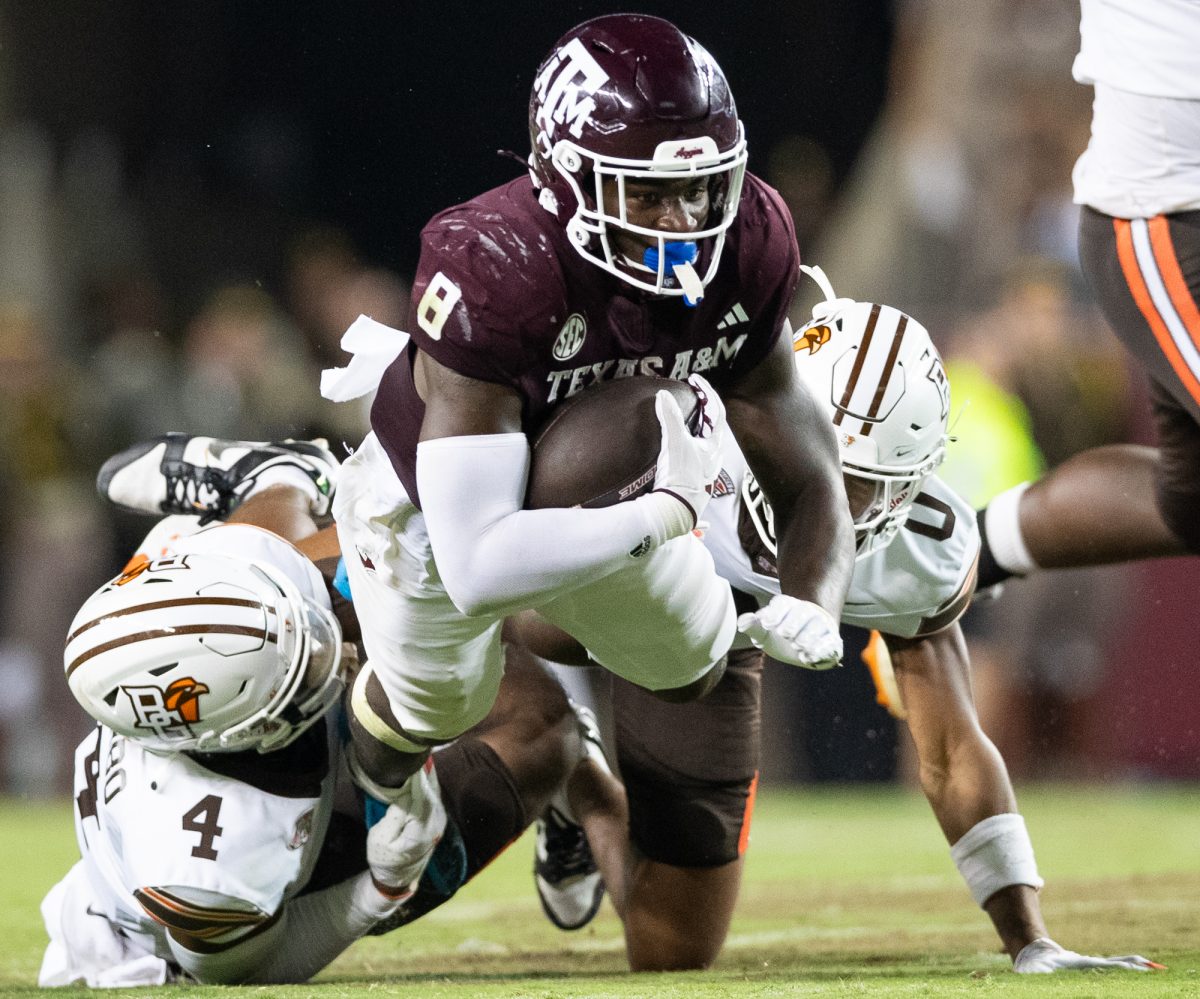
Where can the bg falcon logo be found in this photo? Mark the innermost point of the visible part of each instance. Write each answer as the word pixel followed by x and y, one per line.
pixel 165 711
pixel 814 338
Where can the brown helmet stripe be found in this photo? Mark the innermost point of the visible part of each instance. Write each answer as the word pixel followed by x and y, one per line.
pixel 189 629
pixel 859 361
pixel 162 604
pixel 886 374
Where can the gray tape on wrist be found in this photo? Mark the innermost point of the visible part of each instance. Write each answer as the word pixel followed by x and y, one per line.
pixel 996 853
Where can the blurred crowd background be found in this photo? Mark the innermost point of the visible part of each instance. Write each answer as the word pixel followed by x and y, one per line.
pixel 197 199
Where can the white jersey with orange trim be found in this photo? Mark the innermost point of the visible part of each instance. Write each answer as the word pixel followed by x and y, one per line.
pixel 170 843
pixel 166 842
pixel 920 583
pixel 1143 157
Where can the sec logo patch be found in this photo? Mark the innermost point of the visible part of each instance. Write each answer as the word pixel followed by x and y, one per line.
pixel 570 338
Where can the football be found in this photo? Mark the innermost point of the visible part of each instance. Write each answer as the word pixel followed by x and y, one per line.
pixel 601 446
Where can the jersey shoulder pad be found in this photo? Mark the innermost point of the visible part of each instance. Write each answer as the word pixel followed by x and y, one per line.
pixel 765 229
pixel 923 581
pixel 486 265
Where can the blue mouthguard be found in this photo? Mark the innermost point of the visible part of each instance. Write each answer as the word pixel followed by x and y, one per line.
pixel 676 252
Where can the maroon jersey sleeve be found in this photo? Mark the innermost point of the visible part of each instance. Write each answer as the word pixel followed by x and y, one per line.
pixel 769 263
pixel 484 277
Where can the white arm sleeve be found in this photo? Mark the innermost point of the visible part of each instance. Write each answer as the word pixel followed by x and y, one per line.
pixel 310 932
pixel 495 557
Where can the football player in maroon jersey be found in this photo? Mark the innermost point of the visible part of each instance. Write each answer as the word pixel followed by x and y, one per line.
pixel 637 244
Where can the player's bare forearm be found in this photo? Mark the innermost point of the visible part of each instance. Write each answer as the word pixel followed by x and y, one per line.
pixel 962 773
pixel 790 447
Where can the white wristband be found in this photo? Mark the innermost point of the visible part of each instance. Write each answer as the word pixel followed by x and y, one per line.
pixel 995 853
pixel 1003 527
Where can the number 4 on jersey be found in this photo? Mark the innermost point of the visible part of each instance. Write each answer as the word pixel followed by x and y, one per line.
pixel 202 819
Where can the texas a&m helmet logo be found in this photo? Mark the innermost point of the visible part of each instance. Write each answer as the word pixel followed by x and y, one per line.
pixel 565 91
pixel 167 712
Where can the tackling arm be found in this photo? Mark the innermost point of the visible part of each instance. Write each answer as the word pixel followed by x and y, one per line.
pixel 789 446
pixel 967 784
pixel 962 773
pixel 305 935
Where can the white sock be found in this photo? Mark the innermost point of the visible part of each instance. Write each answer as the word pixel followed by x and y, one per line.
pixel 1003 525
pixel 591 687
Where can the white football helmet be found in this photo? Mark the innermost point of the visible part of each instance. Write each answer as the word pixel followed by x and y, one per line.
pixel 881 378
pixel 204 652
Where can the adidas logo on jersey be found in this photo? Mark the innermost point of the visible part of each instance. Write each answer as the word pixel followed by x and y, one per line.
pixel 734 316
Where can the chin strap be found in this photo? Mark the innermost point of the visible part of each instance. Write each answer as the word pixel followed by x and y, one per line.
pixel 824 311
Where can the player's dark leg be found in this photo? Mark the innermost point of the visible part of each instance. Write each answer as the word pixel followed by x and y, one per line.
pixel 967 784
pixel 1116 504
pixel 1096 508
pixel 532 730
pixel 1145 274
pixel 496 777
pixel 690 772
pixel 1177 483
pixel 677 918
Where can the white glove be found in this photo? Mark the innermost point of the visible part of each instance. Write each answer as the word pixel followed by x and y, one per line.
pixel 400 844
pixel 688 464
pixel 1044 957
pixel 794 631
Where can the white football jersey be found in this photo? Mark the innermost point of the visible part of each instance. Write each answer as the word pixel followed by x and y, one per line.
pixel 166 842
pixel 1141 57
pixel 170 842
pixel 920 583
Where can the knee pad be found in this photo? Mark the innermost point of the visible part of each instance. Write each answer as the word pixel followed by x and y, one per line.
pixel 702 826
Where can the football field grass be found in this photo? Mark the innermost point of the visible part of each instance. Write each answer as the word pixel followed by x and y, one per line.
pixel 847 892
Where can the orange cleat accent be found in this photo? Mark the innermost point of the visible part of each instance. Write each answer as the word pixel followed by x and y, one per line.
pixel 879 662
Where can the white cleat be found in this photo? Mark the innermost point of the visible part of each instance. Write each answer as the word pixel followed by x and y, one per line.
pixel 568 882
pixel 1044 957
pixel 208 477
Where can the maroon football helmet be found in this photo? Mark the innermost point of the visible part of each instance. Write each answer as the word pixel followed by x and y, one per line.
pixel 629 96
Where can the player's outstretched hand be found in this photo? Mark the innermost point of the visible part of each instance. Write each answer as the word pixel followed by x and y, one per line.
pixel 1044 957
pixel 688 463
pixel 794 631
pixel 400 844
